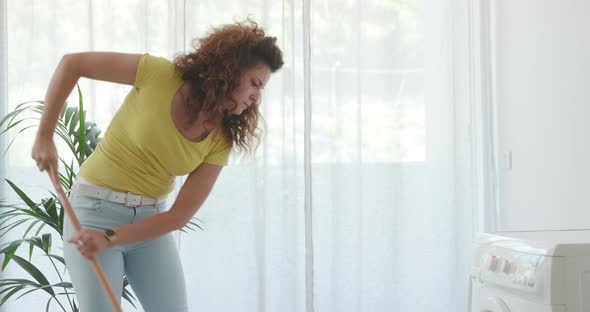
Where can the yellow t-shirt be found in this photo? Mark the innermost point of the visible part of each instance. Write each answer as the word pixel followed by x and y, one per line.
pixel 142 151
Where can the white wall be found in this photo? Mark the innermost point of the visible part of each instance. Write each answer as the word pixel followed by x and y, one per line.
pixel 542 97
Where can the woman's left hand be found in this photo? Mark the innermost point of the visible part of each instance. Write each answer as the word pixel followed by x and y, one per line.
pixel 89 242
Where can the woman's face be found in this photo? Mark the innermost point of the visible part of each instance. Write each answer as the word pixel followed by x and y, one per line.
pixel 248 92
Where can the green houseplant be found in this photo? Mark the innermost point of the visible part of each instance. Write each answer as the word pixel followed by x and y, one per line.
pixel 81 137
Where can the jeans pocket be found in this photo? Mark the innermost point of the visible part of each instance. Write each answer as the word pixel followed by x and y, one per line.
pixel 83 203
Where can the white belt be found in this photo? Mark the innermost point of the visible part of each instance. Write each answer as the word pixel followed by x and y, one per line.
pixel 83 187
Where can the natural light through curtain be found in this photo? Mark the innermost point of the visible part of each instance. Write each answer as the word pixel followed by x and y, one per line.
pixel 389 156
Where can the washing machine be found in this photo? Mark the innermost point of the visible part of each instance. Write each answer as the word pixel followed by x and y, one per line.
pixel 542 271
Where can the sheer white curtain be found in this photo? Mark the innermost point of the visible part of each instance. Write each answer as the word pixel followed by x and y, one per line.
pixel 3 73
pixel 385 221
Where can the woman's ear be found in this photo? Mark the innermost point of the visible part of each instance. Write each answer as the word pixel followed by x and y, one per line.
pixel 223 108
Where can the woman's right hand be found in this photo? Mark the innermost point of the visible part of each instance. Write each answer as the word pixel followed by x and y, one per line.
pixel 45 153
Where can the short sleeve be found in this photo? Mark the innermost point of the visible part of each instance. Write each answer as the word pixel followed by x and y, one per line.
pixel 219 154
pixel 152 69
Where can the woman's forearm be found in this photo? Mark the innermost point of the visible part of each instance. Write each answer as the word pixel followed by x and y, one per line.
pixel 192 195
pixel 150 228
pixel 63 81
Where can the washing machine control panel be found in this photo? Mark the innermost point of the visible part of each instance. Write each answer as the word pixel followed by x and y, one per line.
pixel 514 270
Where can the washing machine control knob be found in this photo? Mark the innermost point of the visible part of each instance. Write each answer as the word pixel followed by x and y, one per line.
pixel 506 266
pixel 493 264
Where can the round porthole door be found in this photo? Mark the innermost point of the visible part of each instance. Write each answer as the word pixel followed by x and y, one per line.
pixel 494 304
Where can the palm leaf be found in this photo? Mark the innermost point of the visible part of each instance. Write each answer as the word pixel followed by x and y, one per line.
pixel 81 137
pixel 13 290
pixel 31 226
pixel 34 272
pixel 127 294
pixel 23 196
pixel 8 254
pixel 56 257
pixel 82 128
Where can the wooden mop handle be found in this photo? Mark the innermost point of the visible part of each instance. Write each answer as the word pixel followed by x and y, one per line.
pixel 72 216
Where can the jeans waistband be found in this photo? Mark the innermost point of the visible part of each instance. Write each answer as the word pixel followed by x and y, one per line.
pixel 84 187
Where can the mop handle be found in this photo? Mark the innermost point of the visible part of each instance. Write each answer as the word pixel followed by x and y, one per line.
pixel 72 216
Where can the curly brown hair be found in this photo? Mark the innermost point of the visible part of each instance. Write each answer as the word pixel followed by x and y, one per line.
pixel 214 71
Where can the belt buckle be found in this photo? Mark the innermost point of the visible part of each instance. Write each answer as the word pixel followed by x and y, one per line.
pixel 130 198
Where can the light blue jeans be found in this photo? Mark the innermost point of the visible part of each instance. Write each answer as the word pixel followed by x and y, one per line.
pixel 152 267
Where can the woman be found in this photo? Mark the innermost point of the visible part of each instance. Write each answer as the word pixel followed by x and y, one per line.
pixel 180 117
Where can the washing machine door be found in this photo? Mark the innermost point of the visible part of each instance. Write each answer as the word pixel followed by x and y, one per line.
pixel 493 304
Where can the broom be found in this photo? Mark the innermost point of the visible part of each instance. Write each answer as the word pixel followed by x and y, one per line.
pixel 95 265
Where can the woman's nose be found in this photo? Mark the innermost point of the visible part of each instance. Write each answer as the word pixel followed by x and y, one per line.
pixel 255 95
